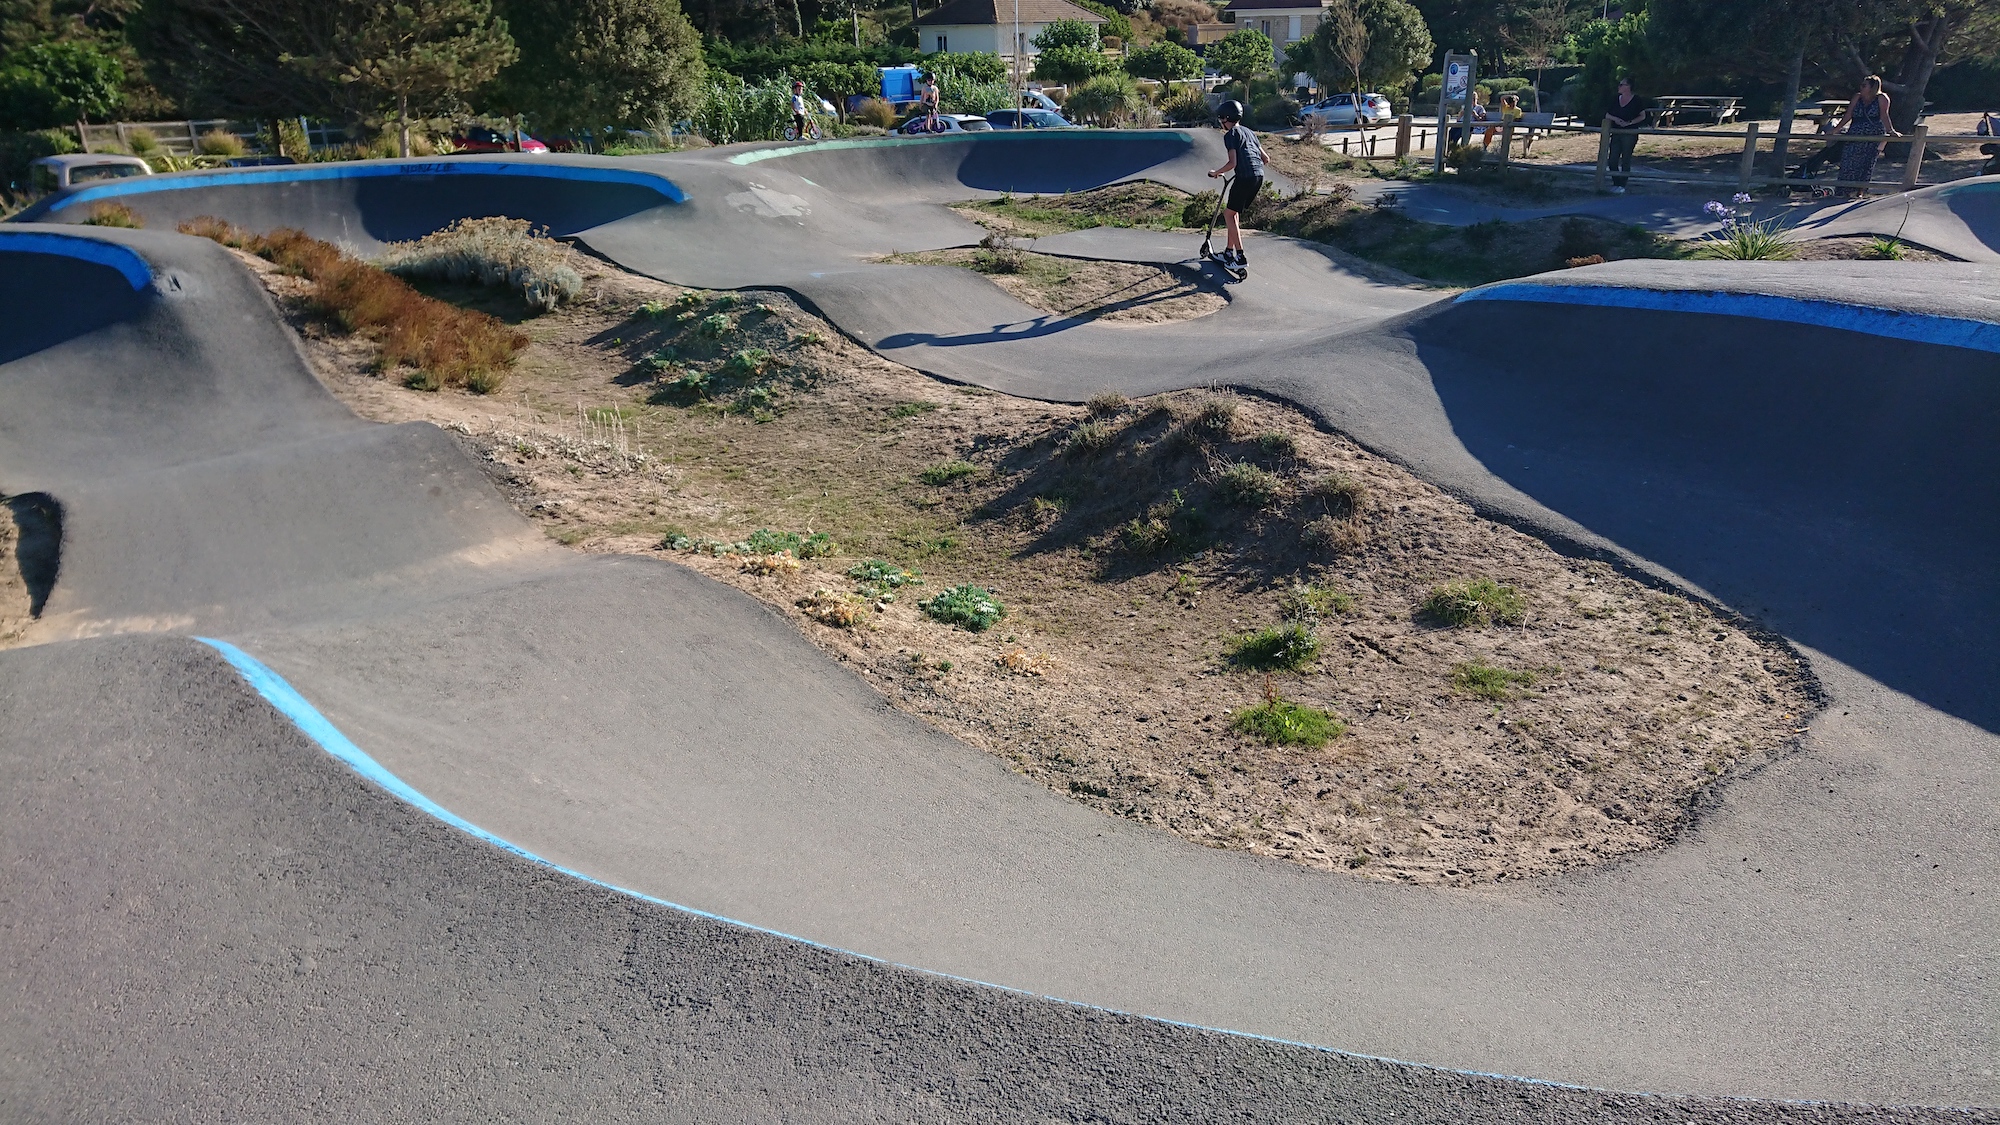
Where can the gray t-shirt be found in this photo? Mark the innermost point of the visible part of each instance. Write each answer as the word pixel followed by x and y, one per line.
pixel 1249 154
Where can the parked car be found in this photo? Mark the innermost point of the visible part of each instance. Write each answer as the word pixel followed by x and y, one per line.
pixel 481 139
pixel 919 124
pixel 1029 119
pixel 54 173
pixel 1349 109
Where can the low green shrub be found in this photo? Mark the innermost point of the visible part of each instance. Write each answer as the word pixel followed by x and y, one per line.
pixel 1248 486
pixel 1200 210
pixel 968 607
pixel 1287 647
pixel 1306 603
pixel 1768 241
pixel 1480 601
pixel 1489 681
pixel 1284 447
pixel 879 581
pixel 1282 723
pixel 1216 414
pixel 714 326
pixel 911 409
pixel 747 363
pixel 1337 494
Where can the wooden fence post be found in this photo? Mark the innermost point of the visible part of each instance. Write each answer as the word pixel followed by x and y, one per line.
pixel 1603 152
pixel 1748 167
pixel 1506 140
pixel 1403 136
pixel 1914 167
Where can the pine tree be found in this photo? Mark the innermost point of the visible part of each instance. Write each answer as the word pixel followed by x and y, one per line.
pixel 426 54
pixel 587 64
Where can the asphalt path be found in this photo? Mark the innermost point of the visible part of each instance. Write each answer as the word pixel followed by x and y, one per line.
pixel 1823 933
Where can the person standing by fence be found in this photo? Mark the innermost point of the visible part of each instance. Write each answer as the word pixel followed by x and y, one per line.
pixel 1867 116
pixel 1626 113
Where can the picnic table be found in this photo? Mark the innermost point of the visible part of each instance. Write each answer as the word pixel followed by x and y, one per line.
pixel 1668 108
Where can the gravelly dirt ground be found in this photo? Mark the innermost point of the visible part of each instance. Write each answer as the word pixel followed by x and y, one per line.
pixel 1110 678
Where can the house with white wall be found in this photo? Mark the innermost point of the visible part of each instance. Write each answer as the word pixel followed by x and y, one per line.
pixel 1285 21
pixel 991 25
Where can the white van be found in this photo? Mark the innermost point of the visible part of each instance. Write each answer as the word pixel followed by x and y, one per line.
pixel 54 173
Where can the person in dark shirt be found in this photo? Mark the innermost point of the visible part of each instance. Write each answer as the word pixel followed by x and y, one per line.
pixel 1626 113
pixel 1246 159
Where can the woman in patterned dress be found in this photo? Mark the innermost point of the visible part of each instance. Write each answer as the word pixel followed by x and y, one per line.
pixel 1867 116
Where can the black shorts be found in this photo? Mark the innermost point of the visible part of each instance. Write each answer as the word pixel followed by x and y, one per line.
pixel 1243 193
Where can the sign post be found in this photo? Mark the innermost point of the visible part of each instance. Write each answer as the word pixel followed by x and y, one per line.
pixel 1461 74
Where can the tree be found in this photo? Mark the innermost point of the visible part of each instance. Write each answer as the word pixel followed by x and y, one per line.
pixel 1394 44
pixel 1070 65
pixel 588 64
pixel 61 82
pixel 1167 62
pixel 973 66
pixel 1346 38
pixel 257 59
pixel 1241 55
pixel 429 53
pixel 1069 52
pixel 1539 30
pixel 1921 35
pixel 1066 33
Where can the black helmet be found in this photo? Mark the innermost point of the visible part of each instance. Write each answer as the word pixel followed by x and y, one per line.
pixel 1231 110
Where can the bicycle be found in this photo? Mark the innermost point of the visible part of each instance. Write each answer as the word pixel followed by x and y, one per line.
pixel 812 130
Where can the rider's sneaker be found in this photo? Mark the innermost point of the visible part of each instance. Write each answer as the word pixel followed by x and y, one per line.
pixel 1241 261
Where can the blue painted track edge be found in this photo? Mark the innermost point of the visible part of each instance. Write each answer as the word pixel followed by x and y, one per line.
pixel 1895 324
pixel 281 695
pixel 82 247
pixel 299 173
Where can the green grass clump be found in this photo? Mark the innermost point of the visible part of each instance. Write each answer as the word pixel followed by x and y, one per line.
pixel 1248 486
pixel 1285 447
pixel 948 472
pixel 1767 241
pixel 968 607
pixel 1884 250
pixel 1287 647
pixel 1480 601
pixel 904 410
pixel 1282 723
pixel 812 545
pixel 1489 681
pixel 1088 438
pixel 713 326
pixel 1339 494
pixel 1216 414
pixel 1107 404
pixel 1307 603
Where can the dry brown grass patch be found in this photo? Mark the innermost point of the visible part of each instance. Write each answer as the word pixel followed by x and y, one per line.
pixel 442 344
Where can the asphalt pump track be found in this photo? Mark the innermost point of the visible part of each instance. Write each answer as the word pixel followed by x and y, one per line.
pixel 335 791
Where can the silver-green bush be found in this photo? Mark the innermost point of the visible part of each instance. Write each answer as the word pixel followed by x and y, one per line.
pixel 498 252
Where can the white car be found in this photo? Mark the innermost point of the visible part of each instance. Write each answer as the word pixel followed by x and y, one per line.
pixel 54 173
pixel 1350 109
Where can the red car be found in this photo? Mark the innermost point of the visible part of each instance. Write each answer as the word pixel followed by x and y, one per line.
pixel 480 139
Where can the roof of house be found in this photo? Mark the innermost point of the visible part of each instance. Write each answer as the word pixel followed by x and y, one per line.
pixel 961 13
pixel 1268 5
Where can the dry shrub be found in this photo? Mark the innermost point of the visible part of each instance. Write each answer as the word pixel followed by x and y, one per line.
pixel 446 345
pixel 772 566
pixel 215 142
pixel 1026 663
pixel 829 607
pixel 1336 536
pixel 876 112
pixel 114 215
pixel 495 252
pixel 1585 260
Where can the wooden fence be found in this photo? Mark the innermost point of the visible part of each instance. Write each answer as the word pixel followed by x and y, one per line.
pixel 181 137
pixel 1411 138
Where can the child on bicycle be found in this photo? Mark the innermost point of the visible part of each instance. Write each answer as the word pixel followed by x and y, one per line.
pixel 801 126
pixel 1246 159
pixel 931 99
